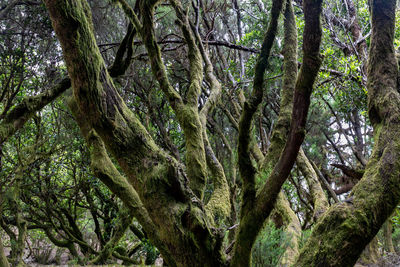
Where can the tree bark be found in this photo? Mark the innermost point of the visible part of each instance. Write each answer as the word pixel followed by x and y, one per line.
pixel 244 241
pixel 387 230
pixel 3 258
pixel 292 228
pixel 183 234
pixel 345 230
pixel 370 254
pixel 319 200
pixel 16 118
pixel 257 207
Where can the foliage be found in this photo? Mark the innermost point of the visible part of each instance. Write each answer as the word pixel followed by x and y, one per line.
pixel 396 238
pixel 151 252
pixel 269 246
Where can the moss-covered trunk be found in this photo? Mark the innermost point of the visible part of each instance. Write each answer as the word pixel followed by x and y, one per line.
pixel 182 231
pixel 18 250
pixel 3 258
pixel 346 228
pixel 17 240
pixel 288 219
pixel 319 200
pixel 388 241
pixel 371 253
pixel 257 205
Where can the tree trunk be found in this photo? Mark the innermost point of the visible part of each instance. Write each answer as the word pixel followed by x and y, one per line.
pixel 370 254
pixel 387 230
pixel 18 242
pixel 3 257
pixel 284 216
pixel 258 204
pixel 320 202
pixel 347 228
pixel 181 229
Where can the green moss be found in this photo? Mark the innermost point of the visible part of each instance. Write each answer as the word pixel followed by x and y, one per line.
pixel 292 227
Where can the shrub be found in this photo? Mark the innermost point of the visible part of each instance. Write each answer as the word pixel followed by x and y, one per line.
pixel 269 247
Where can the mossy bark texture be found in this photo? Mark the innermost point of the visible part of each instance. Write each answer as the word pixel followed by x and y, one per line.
pixel 371 253
pixel 346 228
pixel 17 234
pixel 387 230
pixel 218 207
pixel 319 199
pixel 183 234
pixel 186 112
pixel 3 257
pixel 16 118
pixel 244 240
pixel 257 207
pixel 282 211
pixel 199 154
pixel 292 229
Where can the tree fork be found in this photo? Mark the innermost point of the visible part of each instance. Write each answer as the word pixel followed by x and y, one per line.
pixel 160 181
pixel 346 228
pixel 256 209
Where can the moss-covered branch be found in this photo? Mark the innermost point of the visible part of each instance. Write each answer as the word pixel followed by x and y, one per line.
pixel 106 171
pixel 282 210
pixel 146 31
pixel 195 58
pixel 187 113
pixel 19 115
pixel 256 209
pixel 301 101
pixel 319 200
pixel 243 244
pixel 242 255
pixel 340 237
pixel 219 203
pixel 286 217
pixel 159 180
pixel 246 168
pixel 123 223
pixel 122 61
pixel 62 243
pixel 324 182
pixel 16 118
pixel 188 116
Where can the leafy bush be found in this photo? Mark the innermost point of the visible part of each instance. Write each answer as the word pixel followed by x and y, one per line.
pixel 151 252
pixel 42 255
pixel 396 239
pixel 269 246
pixel 304 236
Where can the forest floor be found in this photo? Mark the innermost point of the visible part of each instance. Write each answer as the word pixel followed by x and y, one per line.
pixel 389 260
pixel 63 259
